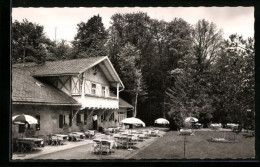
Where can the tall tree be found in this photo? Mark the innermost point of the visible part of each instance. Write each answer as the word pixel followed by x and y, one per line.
pixel 29 42
pixel 233 81
pixel 131 73
pixel 90 38
pixel 206 43
pixel 191 90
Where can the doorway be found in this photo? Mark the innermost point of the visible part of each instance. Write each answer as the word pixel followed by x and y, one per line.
pixel 95 122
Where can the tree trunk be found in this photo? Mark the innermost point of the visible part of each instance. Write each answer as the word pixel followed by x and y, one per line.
pixel 23 55
pixel 135 107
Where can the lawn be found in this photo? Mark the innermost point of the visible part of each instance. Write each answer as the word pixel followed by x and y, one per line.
pixel 198 147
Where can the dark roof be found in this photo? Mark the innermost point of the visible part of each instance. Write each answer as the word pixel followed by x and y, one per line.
pixel 63 67
pixel 27 89
pixel 124 104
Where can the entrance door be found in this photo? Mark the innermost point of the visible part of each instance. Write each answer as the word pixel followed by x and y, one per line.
pixel 95 124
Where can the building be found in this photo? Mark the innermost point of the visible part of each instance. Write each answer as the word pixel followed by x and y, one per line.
pixel 70 95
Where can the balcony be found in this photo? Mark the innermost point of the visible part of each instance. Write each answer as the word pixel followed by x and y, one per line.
pixel 90 101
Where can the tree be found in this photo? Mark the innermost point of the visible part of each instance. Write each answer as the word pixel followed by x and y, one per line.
pixel 28 42
pixel 131 73
pixel 206 44
pixel 190 93
pixel 59 51
pixel 90 39
pixel 233 82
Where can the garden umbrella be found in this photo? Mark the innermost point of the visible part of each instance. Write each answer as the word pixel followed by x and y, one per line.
pixel 191 119
pixel 161 121
pixel 133 121
pixel 23 119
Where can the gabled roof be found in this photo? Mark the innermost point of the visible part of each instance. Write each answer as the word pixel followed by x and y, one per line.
pixel 124 104
pixel 66 67
pixel 29 90
pixel 75 67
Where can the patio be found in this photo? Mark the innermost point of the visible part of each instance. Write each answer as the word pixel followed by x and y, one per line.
pixel 170 146
pixel 115 151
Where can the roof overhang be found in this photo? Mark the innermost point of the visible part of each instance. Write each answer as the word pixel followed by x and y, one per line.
pixel 109 71
pixel 105 65
pixel 47 104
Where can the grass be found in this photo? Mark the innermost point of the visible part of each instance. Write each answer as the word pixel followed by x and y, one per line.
pixel 198 147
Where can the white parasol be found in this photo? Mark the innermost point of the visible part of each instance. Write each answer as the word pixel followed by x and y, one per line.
pixel 23 119
pixel 133 121
pixel 191 119
pixel 161 121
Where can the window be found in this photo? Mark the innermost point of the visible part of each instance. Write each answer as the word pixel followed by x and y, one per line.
pixel 62 121
pixel 93 88
pixel 103 91
pixel 78 119
pixel 121 115
pixel 38 127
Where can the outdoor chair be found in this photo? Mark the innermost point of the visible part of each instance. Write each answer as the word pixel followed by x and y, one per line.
pixel 105 147
pixel 96 147
pixel 31 146
pixel 54 140
pixel 19 147
pixel 119 143
pixel 42 137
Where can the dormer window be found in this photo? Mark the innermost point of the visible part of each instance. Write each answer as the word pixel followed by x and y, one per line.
pixel 93 88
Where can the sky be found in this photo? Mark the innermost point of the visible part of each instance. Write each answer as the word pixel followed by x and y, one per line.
pixel 231 20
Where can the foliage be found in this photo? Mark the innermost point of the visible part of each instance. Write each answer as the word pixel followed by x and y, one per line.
pixel 169 69
pixel 59 51
pixel 90 39
pixel 234 81
pixel 28 42
pixel 130 73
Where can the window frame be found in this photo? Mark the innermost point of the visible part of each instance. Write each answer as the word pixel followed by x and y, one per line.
pixel 93 88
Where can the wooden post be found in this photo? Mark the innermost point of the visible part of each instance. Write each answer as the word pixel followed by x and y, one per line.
pixel 90 113
pixel 82 89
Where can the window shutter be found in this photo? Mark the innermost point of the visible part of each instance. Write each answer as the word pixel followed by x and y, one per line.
pixel 85 119
pixel 107 91
pixel 61 121
pixel 38 126
pixel 70 118
pixel 21 128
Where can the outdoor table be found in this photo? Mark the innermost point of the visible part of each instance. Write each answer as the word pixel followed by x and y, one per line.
pixel 123 139
pixel 112 143
pixel 76 135
pixel 89 133
pixel 111 130
pixel 231 125
pixel 185 132
pixel 53 139
pixel 31 143
pixel 215 126
pixel 62 138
